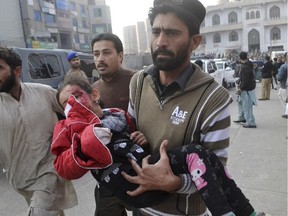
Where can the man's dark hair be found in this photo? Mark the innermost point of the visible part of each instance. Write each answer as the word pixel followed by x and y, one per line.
pixel 191 12
pixel 10 57
pixel 199 63
pixel 267 57
pixel 243 55
pixel 192 24
pixel 108 37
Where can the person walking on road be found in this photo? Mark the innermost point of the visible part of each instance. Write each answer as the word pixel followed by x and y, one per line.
pixel 282 78
pixel 174 100
pixel 266 79
pixel 173 93
pixel 113 84
pixel 28 116
pixel 274 74
pixel 113 87
pixel 246 95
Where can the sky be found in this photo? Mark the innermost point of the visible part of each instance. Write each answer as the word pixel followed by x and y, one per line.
pixel 133 12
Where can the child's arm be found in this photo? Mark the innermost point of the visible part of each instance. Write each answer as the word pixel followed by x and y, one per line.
pixel 138 138
pixel 77 147
pixel 62 147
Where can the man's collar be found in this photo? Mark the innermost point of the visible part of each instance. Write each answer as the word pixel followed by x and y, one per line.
pixel 181 79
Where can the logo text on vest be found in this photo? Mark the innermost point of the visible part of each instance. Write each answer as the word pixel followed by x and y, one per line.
pixel 178 116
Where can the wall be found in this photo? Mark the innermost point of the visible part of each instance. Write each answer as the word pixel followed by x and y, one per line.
pixel 136 62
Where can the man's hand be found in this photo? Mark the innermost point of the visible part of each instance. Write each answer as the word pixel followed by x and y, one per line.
pixel 158 176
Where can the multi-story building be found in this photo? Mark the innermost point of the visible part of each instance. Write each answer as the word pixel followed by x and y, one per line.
pixel 137 38
pixel 141 37
pixel 100 17
pixel 244 25
pixel 64 24
pixel 130 41
pixel 11 24
pixel 232 26
pixel 229 27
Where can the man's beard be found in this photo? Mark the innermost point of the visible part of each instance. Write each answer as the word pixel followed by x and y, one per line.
pixel 76 66
pixel 8 84
pixel 169 64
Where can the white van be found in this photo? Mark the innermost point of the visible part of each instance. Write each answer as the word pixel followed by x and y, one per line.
pixel 227 71
pixel 210 67
pixel 276 54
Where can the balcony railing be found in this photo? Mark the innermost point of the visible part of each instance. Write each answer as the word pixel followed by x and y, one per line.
pixel 219 28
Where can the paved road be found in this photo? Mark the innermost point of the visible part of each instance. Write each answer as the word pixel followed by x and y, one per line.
pixel 258 163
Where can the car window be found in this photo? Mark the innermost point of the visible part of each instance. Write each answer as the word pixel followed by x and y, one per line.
pixel 44 66
pixel 88 66
pixel 220 65
pixel 211 67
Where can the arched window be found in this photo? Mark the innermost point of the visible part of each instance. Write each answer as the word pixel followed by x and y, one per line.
pixel 252 15
pixel 216 20
pixel 203 40
pixel 216 38
pixel 274 12
pixel 275 33
pixel 253 37
pixel 247 16
pixel 257 14
pixel 233 36
pixel 232 17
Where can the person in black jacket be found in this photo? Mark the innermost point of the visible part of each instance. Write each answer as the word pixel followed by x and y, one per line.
pixel 246 94
pixel 274 74
pixel 266 79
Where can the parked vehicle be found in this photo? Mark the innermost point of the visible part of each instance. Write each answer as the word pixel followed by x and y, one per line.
pixel 232 65
pixel 50 66
pixel 276 54
pixel 227 72
pixel 210 67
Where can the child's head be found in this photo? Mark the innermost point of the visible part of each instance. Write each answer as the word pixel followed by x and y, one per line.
pixel 82 90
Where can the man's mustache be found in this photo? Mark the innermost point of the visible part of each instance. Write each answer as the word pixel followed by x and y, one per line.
pixel 163 52
pixel 102 65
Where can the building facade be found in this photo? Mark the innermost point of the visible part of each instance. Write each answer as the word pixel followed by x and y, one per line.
pixel 130 40
pixel 230 26
pixel 254 26
pixel 142 37
pixel 50 24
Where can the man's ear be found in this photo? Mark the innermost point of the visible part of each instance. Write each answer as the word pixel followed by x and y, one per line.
pixel 17 71
pixel 120 57
pixel 95 94
pixel 195 41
